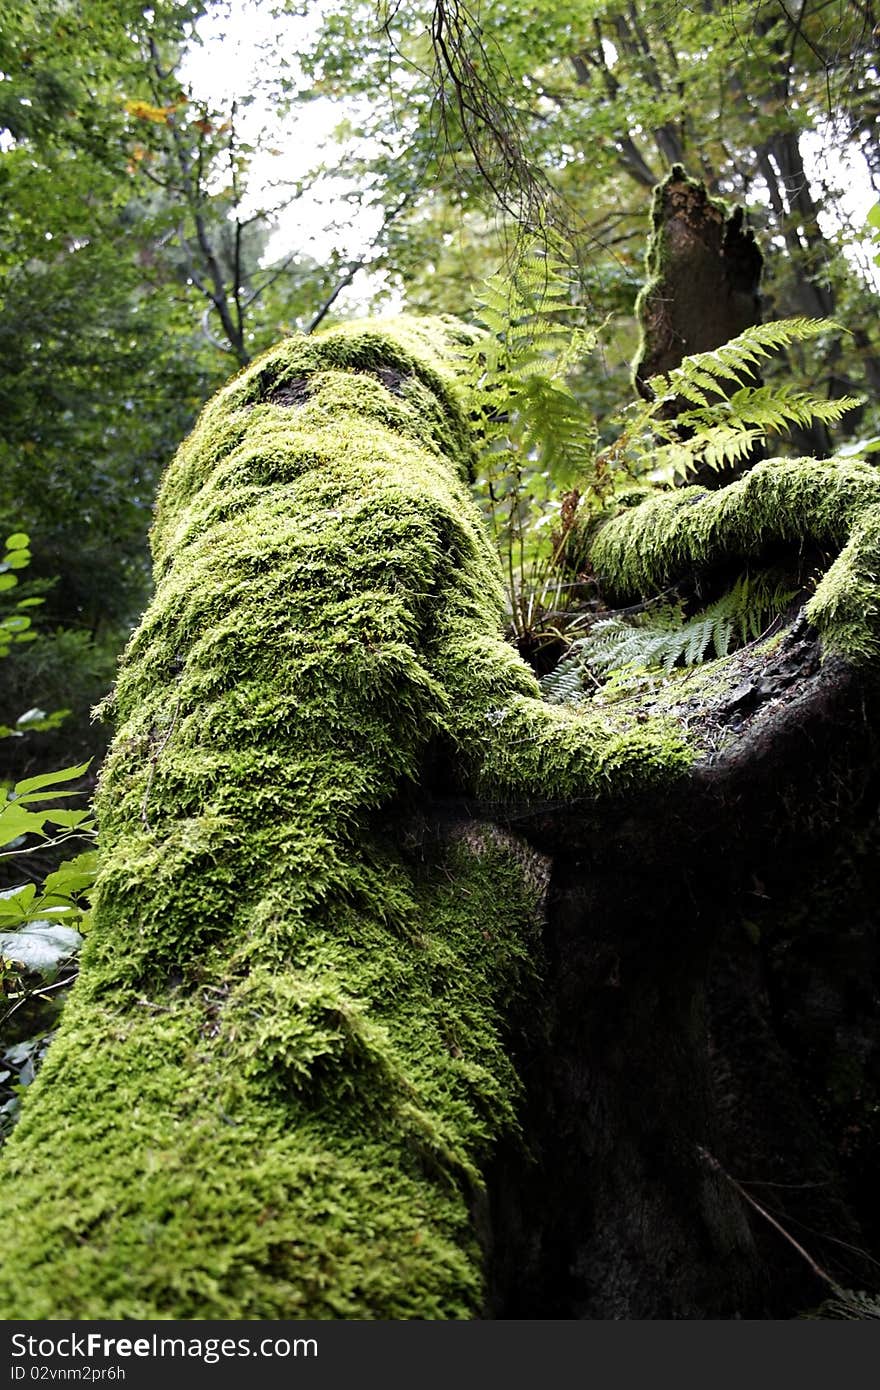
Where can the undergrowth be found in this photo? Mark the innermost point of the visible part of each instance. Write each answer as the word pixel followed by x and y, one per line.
pixel 545 482
pixel 663 636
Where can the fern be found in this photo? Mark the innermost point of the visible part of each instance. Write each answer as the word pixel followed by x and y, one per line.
pixel 536 433
pixel 539 437
pixel 849 1304
pixel 663 637
pixel 737 358
pixel 519 366
pixel 724 415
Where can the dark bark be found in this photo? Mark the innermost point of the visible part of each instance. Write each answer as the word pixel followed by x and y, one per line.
pixel 705 269
pixel 708 1063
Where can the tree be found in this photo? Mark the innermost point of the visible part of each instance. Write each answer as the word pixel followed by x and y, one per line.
pixel 411 994
pixel 101 370
pixel 576 112
pixel 121 259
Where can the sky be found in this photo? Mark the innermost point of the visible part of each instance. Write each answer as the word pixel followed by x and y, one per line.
pixel 226 66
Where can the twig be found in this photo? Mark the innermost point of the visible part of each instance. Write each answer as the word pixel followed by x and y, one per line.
pixel 717 1168
pixel 46 844
pixel 36 994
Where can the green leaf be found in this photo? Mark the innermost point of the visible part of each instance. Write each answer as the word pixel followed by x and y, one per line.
pixel 14 902
pixel 16 821
pixel 855 447
pixel 7 581
pixel 73 876
pixel 38 719
pixel 51 779
pixel 69 819
pixel 18 541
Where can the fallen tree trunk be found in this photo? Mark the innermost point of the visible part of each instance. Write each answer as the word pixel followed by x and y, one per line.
pixel 408 994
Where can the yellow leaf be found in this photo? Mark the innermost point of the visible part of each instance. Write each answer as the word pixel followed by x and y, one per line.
pixel 143 111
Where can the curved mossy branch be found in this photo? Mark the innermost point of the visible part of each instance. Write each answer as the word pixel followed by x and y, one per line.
pixel 796 505
pixel 287 1060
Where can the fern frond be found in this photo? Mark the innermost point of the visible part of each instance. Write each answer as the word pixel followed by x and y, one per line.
pixel 738 357
pixel 850 1305
pixel 664 638
pixel 718 447
pixel 775 408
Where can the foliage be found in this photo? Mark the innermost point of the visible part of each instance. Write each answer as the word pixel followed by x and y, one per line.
pixel 538 436
pixel 874 230
pixel 599 98
pixel 724 415
pixel 848 1305
pixel 663 636
pixel 535 432
pixel 100 369
pixel 16 626
pixel 40 922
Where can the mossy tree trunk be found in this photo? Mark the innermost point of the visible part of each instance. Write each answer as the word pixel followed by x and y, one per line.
pixel 703 288
pixel 704 268
pixel 410 995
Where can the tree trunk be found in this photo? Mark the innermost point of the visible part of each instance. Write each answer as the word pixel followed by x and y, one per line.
pixel 704 269
pixel 410 995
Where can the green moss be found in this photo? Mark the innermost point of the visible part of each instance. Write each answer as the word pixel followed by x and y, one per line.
pixel 796 505
pixel 288 1057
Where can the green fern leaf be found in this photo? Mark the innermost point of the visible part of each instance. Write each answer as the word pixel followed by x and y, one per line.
pixel 663 638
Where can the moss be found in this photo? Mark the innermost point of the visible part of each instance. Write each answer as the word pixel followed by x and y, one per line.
pixel 290 1051
pixel 794 505
pixel 699 253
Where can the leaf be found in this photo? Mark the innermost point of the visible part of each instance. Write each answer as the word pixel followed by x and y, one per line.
pixel 73 876
pixel 18 541
pixel 38 719
pixel 70 819
pixel 856 447
pixel 143 111
pixel 51 779
pixel 40 946
pixel 14 902
pixel 15 821
pixel 7 581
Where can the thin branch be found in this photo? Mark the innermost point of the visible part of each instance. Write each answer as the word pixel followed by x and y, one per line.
pixel 716 1167
pixel 358 265
pixel 335 293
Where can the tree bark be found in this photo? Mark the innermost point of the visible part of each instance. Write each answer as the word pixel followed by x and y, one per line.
pixel 704 270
